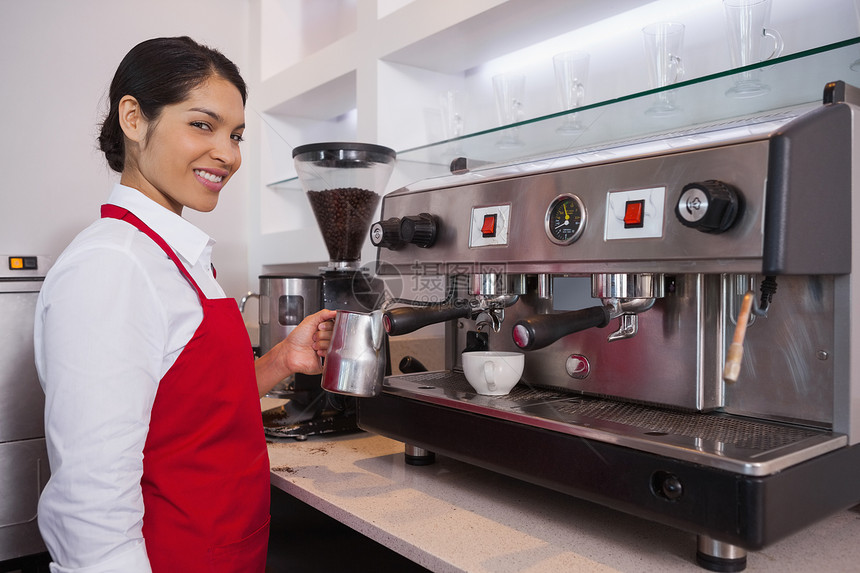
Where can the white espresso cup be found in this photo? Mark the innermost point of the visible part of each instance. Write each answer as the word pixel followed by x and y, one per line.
pixel 493 373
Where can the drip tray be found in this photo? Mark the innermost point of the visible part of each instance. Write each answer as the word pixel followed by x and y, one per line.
pixel 733 443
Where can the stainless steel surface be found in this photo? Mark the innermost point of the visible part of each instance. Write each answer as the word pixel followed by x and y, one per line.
pixel 675 359
pixel 24 472
pixel 623 285
pixel 23 454
pixel 415 451
pixel 284 301
pixel 355 363
pixel 21 398
pixel 677 356
pixel 245 300
pixel 680 250
pixel 746 446
pixel 497 284
pixel 710 546
pixel 788 368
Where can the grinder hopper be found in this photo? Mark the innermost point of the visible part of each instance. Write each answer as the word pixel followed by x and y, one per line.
pixel 343 182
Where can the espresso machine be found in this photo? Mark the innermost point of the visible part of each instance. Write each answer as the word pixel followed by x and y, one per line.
pixel 687 317
pixel 343 182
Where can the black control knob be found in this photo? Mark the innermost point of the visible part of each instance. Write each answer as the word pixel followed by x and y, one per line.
pixel 420 230
pixel 667 485
pixel 708 206
pixel 387 234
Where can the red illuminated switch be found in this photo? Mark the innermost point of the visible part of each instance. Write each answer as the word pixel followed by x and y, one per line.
pixel 488 229
pixel 634 214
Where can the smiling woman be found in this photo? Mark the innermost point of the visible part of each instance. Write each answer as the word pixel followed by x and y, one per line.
pixel 153 425
pixel 186 157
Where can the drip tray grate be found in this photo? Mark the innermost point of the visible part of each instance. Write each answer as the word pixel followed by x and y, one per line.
pixel 745 445
pixel 740 432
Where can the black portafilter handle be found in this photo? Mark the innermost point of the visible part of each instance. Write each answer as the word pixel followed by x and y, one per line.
pixel 404 320
pixel 543 329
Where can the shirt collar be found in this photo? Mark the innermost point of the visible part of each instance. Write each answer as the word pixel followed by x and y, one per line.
pixel 187 240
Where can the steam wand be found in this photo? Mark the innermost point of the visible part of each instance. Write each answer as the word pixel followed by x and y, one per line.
pixel 735 353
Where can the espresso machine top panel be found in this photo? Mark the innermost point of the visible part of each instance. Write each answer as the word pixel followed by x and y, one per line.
pixel 743 203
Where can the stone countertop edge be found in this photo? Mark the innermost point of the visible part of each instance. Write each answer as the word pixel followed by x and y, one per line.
pixel 452 516
pixel 289 480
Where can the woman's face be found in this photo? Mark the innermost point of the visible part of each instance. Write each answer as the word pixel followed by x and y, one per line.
pixel 186 156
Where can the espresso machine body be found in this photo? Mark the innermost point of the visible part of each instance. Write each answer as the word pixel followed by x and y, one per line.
pixel 637 412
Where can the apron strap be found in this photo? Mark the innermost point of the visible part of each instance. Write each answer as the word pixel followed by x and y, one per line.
pixel 109 211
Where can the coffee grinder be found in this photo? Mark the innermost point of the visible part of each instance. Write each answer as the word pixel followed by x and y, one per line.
pixel 343 182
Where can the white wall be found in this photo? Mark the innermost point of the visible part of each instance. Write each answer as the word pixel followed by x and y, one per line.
pixel 57 58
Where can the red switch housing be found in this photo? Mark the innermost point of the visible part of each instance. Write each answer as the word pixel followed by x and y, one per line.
pixel 634 214
pixel 488 229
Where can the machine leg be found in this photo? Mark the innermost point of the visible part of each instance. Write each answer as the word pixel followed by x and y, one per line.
pixel 416 456
pixel 715 555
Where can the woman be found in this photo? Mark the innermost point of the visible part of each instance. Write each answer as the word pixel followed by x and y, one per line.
pixel 152 414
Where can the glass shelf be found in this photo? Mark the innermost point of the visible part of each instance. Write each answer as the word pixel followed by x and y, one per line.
pixel 793 83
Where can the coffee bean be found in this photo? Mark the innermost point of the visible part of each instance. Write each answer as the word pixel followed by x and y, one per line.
pixel 344 216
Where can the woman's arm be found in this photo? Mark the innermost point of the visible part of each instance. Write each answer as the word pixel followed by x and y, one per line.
pixel 99 350
pixel 300 351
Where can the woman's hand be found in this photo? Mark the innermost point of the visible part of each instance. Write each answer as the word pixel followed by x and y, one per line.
pixel 307 342
pixel 300 351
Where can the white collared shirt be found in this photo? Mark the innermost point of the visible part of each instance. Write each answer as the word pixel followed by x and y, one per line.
pixel 112 316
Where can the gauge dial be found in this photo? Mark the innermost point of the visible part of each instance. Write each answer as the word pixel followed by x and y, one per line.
pixel 565 219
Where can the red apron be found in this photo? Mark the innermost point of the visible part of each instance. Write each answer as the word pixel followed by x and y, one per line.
pixel 205 464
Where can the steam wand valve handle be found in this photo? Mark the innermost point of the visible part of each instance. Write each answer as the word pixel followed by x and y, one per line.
pixel 542 330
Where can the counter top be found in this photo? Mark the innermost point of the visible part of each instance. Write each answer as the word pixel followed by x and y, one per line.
pixel 452 516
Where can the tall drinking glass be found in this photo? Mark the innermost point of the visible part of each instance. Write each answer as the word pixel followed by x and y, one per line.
pixel 571 71
pixel 664 42
pixel 451 106
pixel 509 90
pixel 750 42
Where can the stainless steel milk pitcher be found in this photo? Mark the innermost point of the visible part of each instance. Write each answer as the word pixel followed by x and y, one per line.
pixel 355 363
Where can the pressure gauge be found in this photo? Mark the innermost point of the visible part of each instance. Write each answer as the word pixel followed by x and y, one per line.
pixel 565 219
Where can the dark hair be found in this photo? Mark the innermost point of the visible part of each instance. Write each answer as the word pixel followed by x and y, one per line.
pixel 160 72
